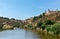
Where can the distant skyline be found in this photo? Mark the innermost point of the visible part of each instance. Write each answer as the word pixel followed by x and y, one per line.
pixel 23 9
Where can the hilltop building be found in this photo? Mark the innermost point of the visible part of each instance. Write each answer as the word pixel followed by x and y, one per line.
pixel 51 12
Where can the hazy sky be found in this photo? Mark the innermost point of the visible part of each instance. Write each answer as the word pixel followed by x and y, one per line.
pixel 22 9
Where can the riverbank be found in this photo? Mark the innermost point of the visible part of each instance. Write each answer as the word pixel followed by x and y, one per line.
pixel 46 32
pixel 43 31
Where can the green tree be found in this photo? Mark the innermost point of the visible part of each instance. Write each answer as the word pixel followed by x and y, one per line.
pixel 49 28
pixel 16 24
pixel 12 18
pixel 54 28
pixel 43 26
pixel 35 18
pixel 43 14
pixel 29 25
pixel 40 16
pixel 48 22
pixel 39 24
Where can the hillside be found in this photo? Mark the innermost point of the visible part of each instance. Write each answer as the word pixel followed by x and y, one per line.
pixel 48 15
pixel 12 22
pixel 48 21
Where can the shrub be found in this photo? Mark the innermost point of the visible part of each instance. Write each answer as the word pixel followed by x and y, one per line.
pixel 39 24
pixel 1 25
pixel 43 14
pixel 49 28
pixel 43 26
pixel 35 18
pixel 54 28
pixel 16 24
pixel 29 26
pixel 40 16
pixel 49 22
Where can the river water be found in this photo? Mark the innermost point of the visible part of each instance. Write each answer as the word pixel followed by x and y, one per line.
pixel 24 34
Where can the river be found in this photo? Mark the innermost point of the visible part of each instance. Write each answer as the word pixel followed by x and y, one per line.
pixel 24 34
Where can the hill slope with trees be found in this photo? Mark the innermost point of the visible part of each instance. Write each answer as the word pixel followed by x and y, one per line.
pixel 48 21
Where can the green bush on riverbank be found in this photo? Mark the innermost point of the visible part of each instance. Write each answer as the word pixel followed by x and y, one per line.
pixel 54 28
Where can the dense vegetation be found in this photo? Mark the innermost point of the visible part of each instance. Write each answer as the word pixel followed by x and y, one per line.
pixel 46 21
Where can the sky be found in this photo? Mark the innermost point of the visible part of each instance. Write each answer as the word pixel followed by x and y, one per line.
pixel 23 9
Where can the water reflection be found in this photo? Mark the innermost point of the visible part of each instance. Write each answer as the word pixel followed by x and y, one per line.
pixel 25 34
pixel 47 36
pixel 30 35
pixel 18 34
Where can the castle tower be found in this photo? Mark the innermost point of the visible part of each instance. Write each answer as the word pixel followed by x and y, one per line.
pixel 57 9
pixel 48 10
